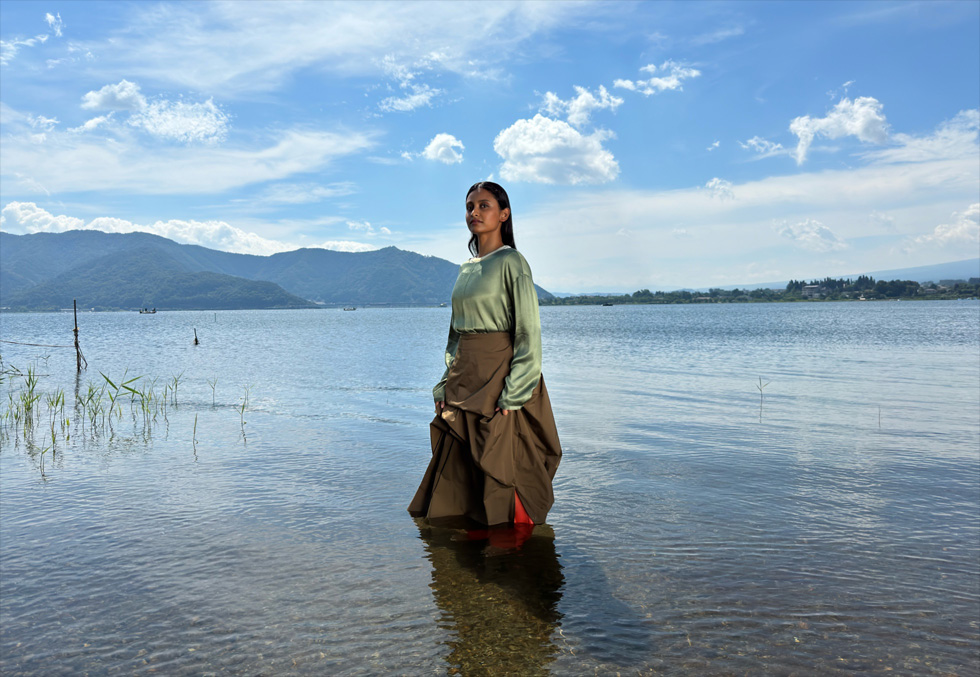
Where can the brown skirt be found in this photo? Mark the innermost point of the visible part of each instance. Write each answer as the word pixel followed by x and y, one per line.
pixel 479 456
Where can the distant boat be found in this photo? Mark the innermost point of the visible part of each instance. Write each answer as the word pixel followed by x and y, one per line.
pixel 442 305
pixel 147 311
pixel 350 308
pixel 607 304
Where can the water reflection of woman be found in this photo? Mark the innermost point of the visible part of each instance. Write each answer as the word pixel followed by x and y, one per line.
pixel 501 611
pixel 495 446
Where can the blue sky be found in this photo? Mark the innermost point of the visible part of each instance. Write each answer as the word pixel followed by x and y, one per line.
pixel 644 145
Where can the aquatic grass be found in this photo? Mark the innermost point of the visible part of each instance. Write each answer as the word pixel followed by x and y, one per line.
pixel 98 408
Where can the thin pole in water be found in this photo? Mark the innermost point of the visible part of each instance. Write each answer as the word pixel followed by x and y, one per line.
pixel 78 349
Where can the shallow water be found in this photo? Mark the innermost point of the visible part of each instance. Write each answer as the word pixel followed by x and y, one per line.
pixel 830 526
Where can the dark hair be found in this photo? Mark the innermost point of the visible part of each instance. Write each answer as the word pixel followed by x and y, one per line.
pixel 507 227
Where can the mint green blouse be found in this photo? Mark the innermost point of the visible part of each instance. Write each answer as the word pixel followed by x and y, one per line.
pixel 496 293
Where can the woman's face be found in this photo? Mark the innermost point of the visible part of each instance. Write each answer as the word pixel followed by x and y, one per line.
pixel 483 212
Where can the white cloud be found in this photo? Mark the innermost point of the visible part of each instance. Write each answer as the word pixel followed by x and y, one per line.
pixel 443 147
pixel 76 162
pixel 304 193
pixel 763 147
pixel 229 48
pixel 92 124
pixel 962 231
pixel 543 150
pixel 186 122
pixel 55 23
pixel 30 218
pixel 953 138
pixel 366 228
pixel 718 35
pixel 419 96
pixel 716 144
pixel 720 189
pixel 175 120
pixel 42 122
pixel 9 49
pixel 579 109
pixel 123 96
pixel 344 246
pixel 861 118
pixel 672 76
pixel 812 235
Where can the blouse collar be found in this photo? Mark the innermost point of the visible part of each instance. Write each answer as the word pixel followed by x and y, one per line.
pixel 498 249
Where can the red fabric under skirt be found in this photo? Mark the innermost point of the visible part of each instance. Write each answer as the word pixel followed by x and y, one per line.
pixel 481 457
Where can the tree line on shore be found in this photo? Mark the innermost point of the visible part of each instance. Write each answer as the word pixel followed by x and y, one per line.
pixel 828 289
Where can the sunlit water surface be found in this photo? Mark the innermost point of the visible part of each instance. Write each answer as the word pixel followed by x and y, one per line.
pixel 823 520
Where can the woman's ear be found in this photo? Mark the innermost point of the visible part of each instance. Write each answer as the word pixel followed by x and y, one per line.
pixel 504 214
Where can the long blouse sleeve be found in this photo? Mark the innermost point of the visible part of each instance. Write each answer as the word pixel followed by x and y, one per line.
pixel 439 392
pixel 525 366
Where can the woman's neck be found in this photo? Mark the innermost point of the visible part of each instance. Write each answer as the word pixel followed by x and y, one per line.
pixel 489 244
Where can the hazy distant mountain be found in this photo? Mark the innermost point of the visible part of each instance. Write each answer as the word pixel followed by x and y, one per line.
pixel 135 270
pixel 147 277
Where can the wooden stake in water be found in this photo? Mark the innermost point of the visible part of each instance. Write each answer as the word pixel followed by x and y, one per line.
pixel 78 351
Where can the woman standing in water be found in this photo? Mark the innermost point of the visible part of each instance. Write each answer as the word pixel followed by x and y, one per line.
pixel 495 447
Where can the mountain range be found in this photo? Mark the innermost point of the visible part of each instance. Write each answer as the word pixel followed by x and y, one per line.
pixel 107 271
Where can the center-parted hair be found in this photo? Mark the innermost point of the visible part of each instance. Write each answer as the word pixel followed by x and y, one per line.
pixel 507 227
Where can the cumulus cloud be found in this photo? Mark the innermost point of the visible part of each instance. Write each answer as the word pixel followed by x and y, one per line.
pixel 543 150
pixel 125 95
pixel 962 230
pixel 861 118
pixel 812 235
pixel 174 120
pixel 669 75
pixel 30 218
pixel 443 147
pixel 579 109
pixel 720 189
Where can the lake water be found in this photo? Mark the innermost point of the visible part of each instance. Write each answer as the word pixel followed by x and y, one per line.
pixel 823 520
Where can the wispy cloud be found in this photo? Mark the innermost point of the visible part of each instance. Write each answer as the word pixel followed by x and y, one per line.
pixel 669 75
pixel 75 162
pixel 227 48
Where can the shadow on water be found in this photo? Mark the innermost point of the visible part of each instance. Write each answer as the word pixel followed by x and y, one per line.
pixel 500 604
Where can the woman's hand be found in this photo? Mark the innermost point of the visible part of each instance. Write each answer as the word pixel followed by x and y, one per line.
pixel 505 411
pixel 440 405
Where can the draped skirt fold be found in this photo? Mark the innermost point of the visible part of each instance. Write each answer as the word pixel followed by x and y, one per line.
pixel 480 457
